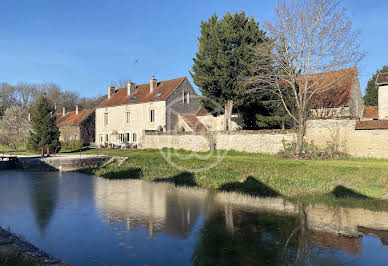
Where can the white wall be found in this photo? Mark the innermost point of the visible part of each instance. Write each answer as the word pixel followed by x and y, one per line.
pixel 140 120
pixel 383 102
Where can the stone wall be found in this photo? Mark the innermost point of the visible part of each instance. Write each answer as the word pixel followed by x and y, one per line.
pixel 69 132
pixel 321 132
pixel 247 141
pixel 341 132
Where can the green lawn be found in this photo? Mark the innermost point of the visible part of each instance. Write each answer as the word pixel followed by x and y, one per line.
pixel 256 174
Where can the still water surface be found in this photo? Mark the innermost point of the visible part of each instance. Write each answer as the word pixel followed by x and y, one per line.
pixel 93 221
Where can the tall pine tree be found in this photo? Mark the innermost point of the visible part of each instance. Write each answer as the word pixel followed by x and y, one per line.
pixel 371 91
pixel 225 52
pixel 45 133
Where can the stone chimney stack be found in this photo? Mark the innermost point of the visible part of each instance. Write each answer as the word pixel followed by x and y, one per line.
pixel 111 91
pixel 153 84
pixel 382 82
pixel 130 88
pixel 76 109
pixel 63 111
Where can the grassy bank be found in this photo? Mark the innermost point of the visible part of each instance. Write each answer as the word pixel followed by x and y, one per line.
pixel 255 174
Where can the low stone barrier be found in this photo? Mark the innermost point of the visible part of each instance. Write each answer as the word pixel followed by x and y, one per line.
pixel 246 141
pixel 62 163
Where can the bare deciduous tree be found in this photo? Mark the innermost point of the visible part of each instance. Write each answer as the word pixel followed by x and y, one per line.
pixel 310 38
pixel 14 127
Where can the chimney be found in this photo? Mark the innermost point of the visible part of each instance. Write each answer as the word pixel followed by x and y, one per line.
pixel 130 88
pixel 76 109
pixel 63 111
pixel 153 83
pixel 382 82
pixel 111 91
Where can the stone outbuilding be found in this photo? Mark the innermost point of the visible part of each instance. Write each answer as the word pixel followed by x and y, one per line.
pixel 341 99
pixel 77 125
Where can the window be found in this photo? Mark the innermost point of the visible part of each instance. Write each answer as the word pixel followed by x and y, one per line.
pixel 128 117
pixel 134 137
pixel 132 99
pixel 183 97
pixel 106 138
pixel 127 137
pixel 101 137
pixel 122 137
pixel 106 121
pixel 188 97
pixel 152 116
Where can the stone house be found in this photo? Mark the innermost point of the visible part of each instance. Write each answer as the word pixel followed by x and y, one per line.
pixel 341 99
pixel 77 125
pixel 129 112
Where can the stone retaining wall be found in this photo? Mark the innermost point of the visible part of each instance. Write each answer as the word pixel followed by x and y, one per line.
pixel 322 132
pixel 62 163
pixel 247 141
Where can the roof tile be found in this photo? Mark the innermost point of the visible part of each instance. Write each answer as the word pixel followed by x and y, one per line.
pixel 71 118
pixel 371 124
pixel 382 78
pixel 193 122
pixel 371 112
pixel 142 93
pixel 340 91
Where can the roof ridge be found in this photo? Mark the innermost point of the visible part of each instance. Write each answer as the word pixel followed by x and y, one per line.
pixel 184 77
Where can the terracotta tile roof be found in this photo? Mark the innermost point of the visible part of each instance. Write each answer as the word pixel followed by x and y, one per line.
pixel 371 112
pixel 372 124
pixel 71 118
pixel 142 93
pixel 201 111
pixel 193 122
pixel 340 85
pixel 382 78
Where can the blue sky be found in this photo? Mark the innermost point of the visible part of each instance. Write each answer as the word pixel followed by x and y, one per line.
pixel 83 45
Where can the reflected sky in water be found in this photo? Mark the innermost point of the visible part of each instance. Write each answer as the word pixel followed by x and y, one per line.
pixel 93 221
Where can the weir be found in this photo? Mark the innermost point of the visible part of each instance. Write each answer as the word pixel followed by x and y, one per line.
pixel 63 163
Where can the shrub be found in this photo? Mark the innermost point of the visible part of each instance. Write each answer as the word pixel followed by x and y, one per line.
pixel 311 151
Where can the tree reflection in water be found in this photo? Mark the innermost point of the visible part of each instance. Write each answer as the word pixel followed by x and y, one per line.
pixel 234 236
pixel 237 237
pixel 43 193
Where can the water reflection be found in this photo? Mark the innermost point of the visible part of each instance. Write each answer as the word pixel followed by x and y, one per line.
pixel 154 206
pixel 132 222
pixel 43 193
pixel 240 230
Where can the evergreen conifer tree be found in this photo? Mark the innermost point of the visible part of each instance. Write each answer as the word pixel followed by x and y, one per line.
pixel 225 52
pixel 45 133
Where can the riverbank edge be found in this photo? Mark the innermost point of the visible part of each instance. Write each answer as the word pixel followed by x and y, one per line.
pixel 11 245
pixel 343 199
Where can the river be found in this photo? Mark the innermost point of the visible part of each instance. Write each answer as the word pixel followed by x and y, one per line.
pixel 88 220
